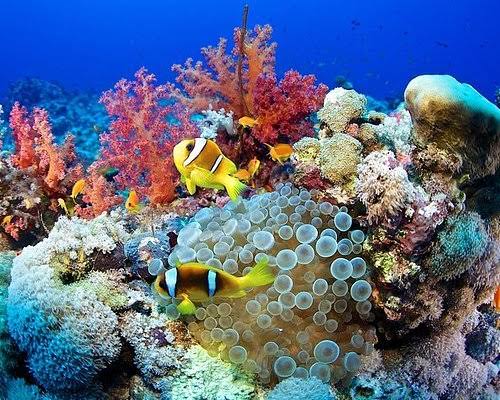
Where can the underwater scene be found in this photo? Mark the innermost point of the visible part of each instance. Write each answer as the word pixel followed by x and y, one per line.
pixel 260 200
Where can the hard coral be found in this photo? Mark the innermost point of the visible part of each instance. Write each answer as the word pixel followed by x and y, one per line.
pixel 145 127
pixel 340 108
pixel 339 157
pixel 461 242
pixel 301 389
pixel 203 377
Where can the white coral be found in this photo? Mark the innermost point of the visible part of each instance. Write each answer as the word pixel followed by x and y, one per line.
pixel 383 187
pixel 396 130
pixel 214 120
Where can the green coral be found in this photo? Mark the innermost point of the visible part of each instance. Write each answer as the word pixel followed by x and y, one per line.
pixel 306 149
pixel 384 264
pixel 459 245
pixel 203 377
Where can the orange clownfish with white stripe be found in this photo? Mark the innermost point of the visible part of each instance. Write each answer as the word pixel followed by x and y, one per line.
pixel 198 282
pixel 202 164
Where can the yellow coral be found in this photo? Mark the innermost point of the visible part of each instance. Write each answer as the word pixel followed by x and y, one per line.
pixel 339 157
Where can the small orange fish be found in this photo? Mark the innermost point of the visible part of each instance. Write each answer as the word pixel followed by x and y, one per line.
pixel 496 299
pixel 132 203
pixel 248 122
pixel 62 204
pixel 280 152
pixel 253 166
pixel 242 175
pixel 77 188
pixel 6 220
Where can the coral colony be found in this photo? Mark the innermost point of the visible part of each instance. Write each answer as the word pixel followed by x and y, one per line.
pixel 384 254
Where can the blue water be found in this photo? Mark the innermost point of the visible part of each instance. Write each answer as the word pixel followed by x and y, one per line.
pixel 378 45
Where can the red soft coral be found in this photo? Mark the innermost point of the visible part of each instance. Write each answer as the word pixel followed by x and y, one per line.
pixel 281 109
pixel 35 148
pixel 145 127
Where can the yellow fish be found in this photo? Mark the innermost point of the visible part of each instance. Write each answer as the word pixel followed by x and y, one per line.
pixel 201 164
pixel 132 204
pixel 248 122
pixel 62 204
pixel 280 152
pixel 77 188
pixel 253 166
pixel 7 219
pixel 198 282
pixel 242 175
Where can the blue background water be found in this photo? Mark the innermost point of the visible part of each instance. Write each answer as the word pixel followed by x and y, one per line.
pixel 378 45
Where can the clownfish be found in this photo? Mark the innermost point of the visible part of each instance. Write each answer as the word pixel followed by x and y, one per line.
pixel 198 282
pixel 202 164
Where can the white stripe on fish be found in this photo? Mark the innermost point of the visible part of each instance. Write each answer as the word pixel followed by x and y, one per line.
pixel 199 145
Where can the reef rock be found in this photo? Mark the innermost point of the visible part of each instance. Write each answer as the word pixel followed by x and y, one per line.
pixel 454 116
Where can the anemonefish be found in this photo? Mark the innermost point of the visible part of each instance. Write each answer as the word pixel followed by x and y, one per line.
pixel 202 164
pixel 248 122
pixel 280 152
pixel 198 282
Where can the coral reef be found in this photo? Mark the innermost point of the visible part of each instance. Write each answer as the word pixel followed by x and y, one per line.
pixel 460 243
pixel 383 187
pixel 280 107
pixel 203 377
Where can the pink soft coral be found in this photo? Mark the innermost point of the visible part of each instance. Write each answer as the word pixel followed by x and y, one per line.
pixel 145 127
pixel 281 108
pixel 35 148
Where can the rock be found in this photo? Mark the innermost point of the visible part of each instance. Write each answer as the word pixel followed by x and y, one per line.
pixel 454 116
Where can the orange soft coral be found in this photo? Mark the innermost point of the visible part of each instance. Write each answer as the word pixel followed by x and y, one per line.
pixel 218 84
pixel 35 149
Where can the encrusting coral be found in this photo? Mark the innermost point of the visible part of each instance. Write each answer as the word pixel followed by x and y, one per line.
pixel 301 389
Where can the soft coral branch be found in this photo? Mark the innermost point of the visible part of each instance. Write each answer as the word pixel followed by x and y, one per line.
pixel 280 108
pixel 35 148
pixel 145 127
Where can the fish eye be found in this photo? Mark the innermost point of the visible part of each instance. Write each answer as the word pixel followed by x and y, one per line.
pixel 190 147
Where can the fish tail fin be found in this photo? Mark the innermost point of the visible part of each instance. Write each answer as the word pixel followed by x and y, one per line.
pixel 234 187
pixel 260 275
